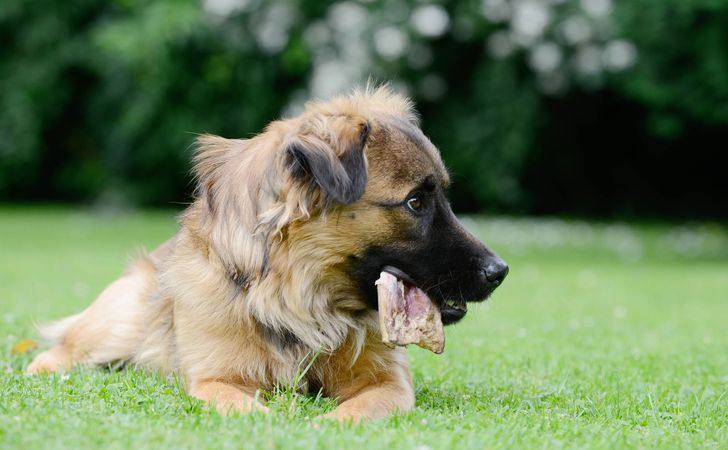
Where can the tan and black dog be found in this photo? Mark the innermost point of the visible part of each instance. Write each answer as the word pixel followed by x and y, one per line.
pixel 276 260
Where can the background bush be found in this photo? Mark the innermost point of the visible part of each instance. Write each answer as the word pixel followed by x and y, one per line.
pixel 539 106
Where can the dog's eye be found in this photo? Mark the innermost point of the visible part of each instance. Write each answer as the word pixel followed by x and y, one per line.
pixel 414 203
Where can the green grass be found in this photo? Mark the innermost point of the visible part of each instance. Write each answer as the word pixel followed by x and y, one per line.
pixel 603 336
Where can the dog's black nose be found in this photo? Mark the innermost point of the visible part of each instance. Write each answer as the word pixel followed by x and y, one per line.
pixel 495 270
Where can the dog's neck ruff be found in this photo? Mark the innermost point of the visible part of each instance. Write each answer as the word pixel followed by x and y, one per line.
pixel 295 317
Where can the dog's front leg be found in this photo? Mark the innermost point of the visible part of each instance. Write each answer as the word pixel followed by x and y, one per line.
pixel 377 386
pixel 375 401
pixel 226 398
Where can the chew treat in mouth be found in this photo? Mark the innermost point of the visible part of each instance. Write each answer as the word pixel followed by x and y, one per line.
pixel 407 315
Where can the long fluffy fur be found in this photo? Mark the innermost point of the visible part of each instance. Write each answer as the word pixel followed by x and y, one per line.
pixel 252 263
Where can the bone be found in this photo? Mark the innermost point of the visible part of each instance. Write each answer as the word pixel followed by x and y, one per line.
pixel 408 316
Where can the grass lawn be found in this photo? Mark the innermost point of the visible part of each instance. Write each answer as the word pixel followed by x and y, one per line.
pixel 603 336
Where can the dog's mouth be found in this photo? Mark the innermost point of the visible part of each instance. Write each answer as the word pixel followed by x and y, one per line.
pixel 451 311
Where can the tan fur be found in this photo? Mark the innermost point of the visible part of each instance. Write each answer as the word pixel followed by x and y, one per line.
pixel 179 308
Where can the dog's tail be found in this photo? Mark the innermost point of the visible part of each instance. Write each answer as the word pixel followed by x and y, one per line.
pixel 54 332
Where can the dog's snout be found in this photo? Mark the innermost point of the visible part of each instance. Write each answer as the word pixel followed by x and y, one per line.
pixel 495 270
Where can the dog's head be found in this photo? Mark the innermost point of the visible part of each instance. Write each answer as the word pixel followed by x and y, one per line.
pixel 350 188
pixel 405 226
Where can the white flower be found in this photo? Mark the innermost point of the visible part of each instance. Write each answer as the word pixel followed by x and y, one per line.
pixel 597 8
pixel 223 8
pixel 530 19
pixel 347 17
pixel 390 42
pixel 545 57
pixel 317 34
pixel 430 20
pixel 329 78
pixel 496 10
pixel 576 30
pixel 272 32
pixel 619 55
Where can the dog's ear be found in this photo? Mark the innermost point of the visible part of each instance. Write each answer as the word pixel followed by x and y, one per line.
pixel 329 151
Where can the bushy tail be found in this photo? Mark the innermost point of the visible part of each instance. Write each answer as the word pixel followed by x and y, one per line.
pixel 54 332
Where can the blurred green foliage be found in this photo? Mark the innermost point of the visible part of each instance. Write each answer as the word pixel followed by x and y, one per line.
pixel 537 106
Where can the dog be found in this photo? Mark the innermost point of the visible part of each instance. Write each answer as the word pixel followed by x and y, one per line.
pixel 275 262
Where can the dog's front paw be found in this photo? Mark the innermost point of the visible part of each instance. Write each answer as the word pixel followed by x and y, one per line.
pixel 342 416
pixel 226 398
